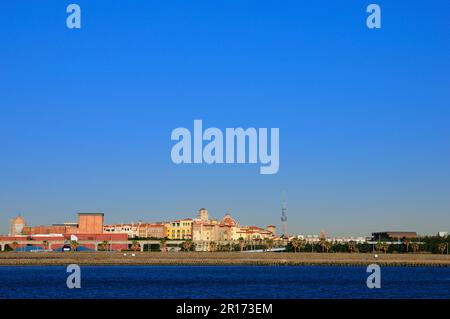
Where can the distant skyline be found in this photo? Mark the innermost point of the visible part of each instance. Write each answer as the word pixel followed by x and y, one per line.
pixel 86 115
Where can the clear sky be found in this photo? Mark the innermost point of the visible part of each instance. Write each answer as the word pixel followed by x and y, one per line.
pixel 364 115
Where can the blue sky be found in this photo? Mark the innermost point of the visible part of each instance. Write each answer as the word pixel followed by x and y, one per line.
pixel 86 115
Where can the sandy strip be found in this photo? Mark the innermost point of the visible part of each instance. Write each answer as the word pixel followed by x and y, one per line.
pixel 219 258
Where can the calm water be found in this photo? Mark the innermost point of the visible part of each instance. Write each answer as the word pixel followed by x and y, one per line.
pixel 224 282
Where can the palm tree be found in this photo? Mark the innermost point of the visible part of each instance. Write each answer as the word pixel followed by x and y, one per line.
pixel 442 247
pixel 259 241
pixel 351 246
pixel 328 246
pixel 162 245
pixel 212 246
pixel 74 245
pixel 415 247
pixel 241 243
pixel 385 247
pixel 269 243
pixel 406 242
pixel 187 245
pixel 45 244
pixel 298 244
pixel 253 243
pixel 135 246
pixel 324 244
pixel 379 246
pixel 301 244
pixel 15 245
pixel 104 245
pixel 295 242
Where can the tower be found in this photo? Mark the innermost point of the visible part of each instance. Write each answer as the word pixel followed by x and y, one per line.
pixel 284 216
pixel 203 215
pixel 17 226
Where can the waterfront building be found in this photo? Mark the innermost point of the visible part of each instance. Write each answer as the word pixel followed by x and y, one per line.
pixel 132 230
pixel 314 239
pixel 88 223
pixel 205 230
pixel 311 239
pixel 201 230
pixel 393 235
pixel 89 229
pixel 66 228
pixel 56 241
pixel 179 229
pixel 253 233
pixel 347 239
pixel 146 230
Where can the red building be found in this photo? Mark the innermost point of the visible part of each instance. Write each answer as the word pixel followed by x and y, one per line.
pixel 88 232
pixel 56 241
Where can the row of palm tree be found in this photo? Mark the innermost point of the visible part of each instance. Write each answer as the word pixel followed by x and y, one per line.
pixel 296 243
pixel 267 243
pixel 300 244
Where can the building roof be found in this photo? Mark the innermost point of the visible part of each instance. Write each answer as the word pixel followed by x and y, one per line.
pixel 396 233
pixel 18 220
pixel 151 225
pixel 91 214
pixel 228 221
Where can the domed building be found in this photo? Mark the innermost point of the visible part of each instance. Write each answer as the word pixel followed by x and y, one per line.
pixel 227 220
pixel 17 226
pixel 227 230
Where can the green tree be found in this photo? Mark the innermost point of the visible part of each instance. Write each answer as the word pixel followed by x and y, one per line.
pixel 325 245
pixel 442 247
pixel 351 246
pixel 301 244
pixel 385 247
pixel 379 246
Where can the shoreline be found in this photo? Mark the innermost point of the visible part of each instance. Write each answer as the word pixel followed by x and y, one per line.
pixel 219 259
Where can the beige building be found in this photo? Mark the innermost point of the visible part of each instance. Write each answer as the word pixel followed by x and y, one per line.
pixel 146 230
pixel 205 230
pixel 132 230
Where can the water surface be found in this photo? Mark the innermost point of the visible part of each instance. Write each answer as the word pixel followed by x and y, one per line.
pixel 224 282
